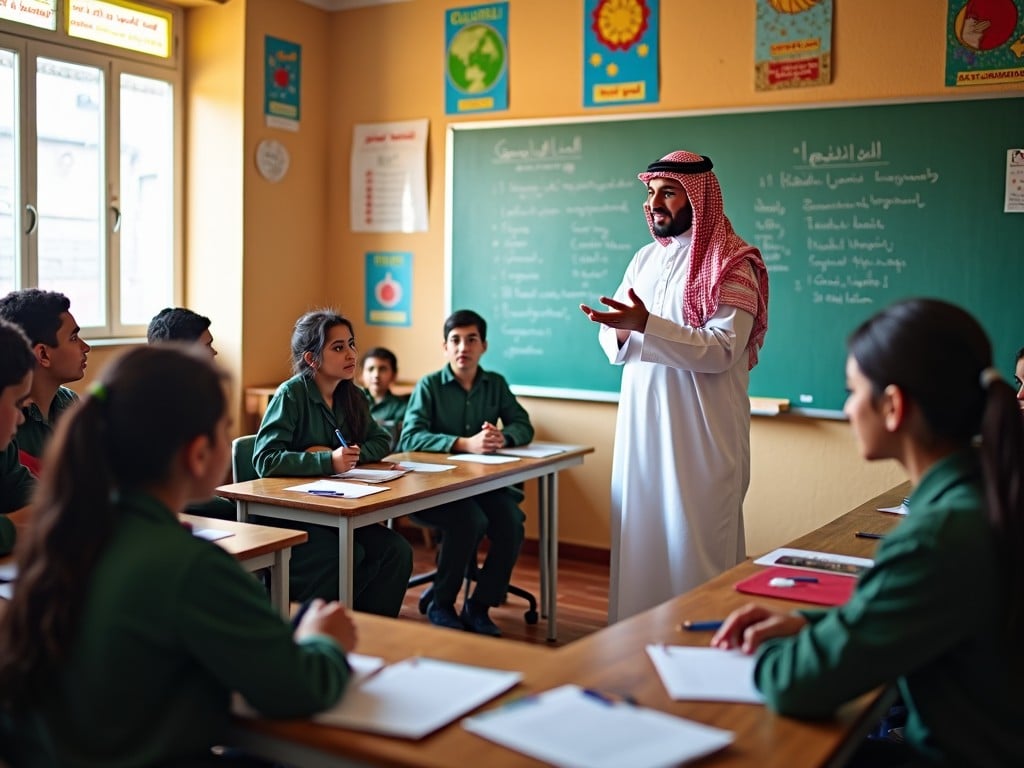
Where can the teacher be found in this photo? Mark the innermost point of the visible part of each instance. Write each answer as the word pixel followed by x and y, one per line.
pixel 687 322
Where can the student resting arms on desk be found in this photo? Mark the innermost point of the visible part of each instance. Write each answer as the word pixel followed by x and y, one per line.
pixel 456 410
pixel 298 437
pixel 126 635
pixel 17 363
pixel 940 613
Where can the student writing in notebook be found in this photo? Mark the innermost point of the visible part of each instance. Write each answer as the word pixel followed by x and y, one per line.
pixel 939 614
pixel 299 437
pixel 464 409
pixel 16 484
pixel 126 635
pixel 61 355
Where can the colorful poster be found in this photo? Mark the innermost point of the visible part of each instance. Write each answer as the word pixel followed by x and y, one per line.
pixel 388 181
pixel 1014 181
pixel 794 44
pixel 388 288
pixel 620 52
pixel 985 42
pixel 476 66
pixel 282 83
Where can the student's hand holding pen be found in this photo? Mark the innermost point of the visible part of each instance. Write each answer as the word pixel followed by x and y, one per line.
pixel 747 627
pixel 331 619
pixel 345 458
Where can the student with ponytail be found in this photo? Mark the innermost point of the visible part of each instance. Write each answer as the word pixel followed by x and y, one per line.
pixel 940 614
pixel 126 635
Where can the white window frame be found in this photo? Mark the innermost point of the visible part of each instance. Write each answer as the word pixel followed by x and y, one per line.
pixel 29 43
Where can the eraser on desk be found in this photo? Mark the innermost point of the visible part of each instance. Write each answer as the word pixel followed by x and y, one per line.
pixel 780 581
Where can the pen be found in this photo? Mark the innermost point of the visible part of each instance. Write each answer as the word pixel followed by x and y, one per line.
pixel 702 626
pixel 808 579
pixel 341 438
pixel 866 535
pixel 325 493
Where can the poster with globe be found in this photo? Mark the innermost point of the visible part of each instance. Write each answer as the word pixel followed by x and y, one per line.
pixel 476 66
pixel 985 42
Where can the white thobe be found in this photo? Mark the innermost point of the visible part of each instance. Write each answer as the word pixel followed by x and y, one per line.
pixel 681 463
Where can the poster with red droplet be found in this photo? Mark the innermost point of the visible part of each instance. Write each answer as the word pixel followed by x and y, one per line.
pixel 282 83
pixel 388 288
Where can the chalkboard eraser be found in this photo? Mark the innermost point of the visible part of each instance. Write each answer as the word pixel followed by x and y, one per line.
pixel 768 406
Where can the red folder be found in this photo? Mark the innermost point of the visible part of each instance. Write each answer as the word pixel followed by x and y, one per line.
pixel 830 589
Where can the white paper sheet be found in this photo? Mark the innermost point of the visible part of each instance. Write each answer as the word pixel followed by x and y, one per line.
pixel 535 450
pixel 8 572
pixel 705 674
pixel 421 466
pixel 567 727
pixel 415 697
pixel 371 475
pixel 211 534
pixel 484 458
pixel 844 565
pixel 330 488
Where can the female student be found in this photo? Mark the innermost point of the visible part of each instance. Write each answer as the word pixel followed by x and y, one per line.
pixel 17 363
pixel 318 423
pixel 940 614
pixel 126 635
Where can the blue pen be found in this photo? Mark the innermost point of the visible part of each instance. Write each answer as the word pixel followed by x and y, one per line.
pixel 702 626
pixel 325 493
pixel 808 579
pixel 341 438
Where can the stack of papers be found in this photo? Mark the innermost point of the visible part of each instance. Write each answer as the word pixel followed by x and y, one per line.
pixel 807 559
pixel 211 534
pixel 705 674
pixel 371 475
pixel 420 466
pixel 484 458
pixel 535 450
pixel 576 728
pixel 334 488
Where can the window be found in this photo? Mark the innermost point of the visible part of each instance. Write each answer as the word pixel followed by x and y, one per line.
pixel 90 190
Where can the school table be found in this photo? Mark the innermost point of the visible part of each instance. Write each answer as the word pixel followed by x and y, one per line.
pixel 257 547
pixel 612 660
pixel 414 492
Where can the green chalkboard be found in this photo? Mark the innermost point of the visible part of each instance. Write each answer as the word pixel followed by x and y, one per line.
pixel 853 207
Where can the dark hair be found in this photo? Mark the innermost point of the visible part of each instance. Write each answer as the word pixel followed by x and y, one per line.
pixel 103 445
pixel 16 356
pixel 310 335
pixel 382 353
pixel 460 318
pixel 37 312
pixel 935 353
pixel 176 324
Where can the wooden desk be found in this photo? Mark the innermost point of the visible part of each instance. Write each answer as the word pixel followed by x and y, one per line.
pixel 612 660
pixel 412 493
pixel 256 547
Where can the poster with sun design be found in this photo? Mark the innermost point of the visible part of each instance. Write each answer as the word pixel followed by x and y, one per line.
pixel 794 44
pixel 281 83
pixel 985 42
pixel 620 52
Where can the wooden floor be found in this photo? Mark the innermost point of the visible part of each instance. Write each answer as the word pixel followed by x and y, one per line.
pixel 582 597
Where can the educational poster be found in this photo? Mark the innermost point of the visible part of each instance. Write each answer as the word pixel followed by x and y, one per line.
pixel 388 288
pixel 794 44
pixel 282 83
pixel 388 182
pixel 620 52
pixel 985 42
pixel 36 13
pixel 1014 181
pixel 476 65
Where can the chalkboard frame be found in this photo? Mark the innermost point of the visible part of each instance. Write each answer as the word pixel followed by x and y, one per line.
pixel 454 130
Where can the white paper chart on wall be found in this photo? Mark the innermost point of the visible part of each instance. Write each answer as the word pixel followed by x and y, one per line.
pixel 272 159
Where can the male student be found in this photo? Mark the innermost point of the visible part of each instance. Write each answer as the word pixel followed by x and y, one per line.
pixel 458 410
pixel 380 366
pixel 61 356
pixel 16 484
pixel 180 324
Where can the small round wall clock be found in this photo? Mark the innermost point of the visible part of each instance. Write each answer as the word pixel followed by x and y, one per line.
pixel 272 159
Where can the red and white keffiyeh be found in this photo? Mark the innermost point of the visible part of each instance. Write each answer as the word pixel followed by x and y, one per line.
pixel 714 272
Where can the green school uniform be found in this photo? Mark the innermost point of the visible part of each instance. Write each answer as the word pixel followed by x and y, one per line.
pixel 297 418
pixel 171 625
pixel 440 411
pixel 927 617
pixel 16 486
pixel 36 431
pixel 390 410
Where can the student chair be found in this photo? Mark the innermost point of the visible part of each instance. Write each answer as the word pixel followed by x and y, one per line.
pixel 530 615
pixel 242 468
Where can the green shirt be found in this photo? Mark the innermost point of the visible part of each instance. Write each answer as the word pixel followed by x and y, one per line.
pixel 16 486
pixel 927 617
pixel 390 410
pixel 171 626
pixel 36 432
pixel 297 418
pixel 440 411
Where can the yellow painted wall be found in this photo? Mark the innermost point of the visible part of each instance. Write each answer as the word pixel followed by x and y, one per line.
pixel 385 63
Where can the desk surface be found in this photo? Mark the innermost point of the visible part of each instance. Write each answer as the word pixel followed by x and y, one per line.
pixel 614 660
pixel 249 540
